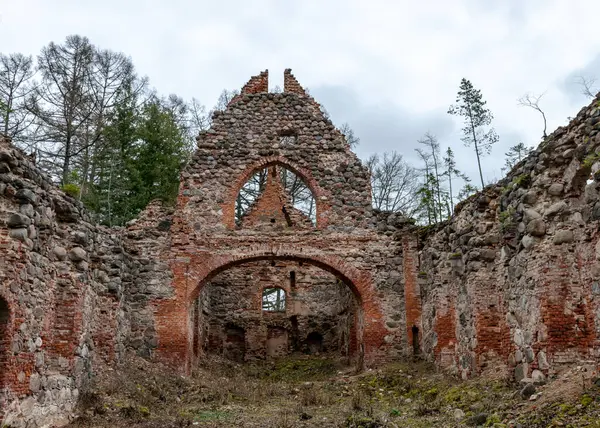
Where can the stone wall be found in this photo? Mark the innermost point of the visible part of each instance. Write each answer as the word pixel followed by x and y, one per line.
pixel 510 282
pixel 61 281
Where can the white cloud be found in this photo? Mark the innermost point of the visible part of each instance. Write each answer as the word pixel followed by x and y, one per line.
pixel 395 66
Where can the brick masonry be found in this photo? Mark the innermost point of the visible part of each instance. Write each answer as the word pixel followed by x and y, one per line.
pixel 317 304
pixel 508 284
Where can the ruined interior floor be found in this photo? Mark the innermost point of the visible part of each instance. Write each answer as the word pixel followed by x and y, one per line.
pixel 301 391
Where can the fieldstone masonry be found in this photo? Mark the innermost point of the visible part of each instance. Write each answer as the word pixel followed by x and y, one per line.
pixel 510 282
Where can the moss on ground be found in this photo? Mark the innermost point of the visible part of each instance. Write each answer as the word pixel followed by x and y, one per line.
pixel 317 392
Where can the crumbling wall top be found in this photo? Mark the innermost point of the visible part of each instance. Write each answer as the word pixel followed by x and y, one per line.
pixel 290 83
pixel 257 84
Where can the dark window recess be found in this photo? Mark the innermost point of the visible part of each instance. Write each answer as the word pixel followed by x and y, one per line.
pixel 415 339
pixel 292 279
pixel 314 343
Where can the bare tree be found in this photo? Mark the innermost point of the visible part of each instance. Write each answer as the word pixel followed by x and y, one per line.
pixel 351 138
pixel 393 183
pixel 300 194
pixel 112 81
pixel 224 99
pixel 425 190
pixel 516 154
pixel 199 119
pixel 533 101
pixel 16 85
pixel 301 197
pixel 273 300
pixel 587 85
pixel 452 172
pixel 65 100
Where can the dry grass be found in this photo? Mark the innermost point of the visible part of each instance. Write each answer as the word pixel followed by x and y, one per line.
pixel 300 392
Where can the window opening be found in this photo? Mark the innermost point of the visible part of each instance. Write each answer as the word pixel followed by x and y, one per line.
pixel 292 279
pixel 297 191
pixel 287 138
pixel 273 300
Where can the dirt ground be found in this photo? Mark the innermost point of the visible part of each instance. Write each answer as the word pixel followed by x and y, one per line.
pixel 321 392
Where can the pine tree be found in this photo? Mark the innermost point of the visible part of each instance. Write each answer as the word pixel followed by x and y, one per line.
pixel 162 153
pixel 452 172
pixel 516 154
pixel 430 141
pixel 471 106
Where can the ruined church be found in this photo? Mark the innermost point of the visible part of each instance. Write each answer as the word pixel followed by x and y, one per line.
pixel 273 248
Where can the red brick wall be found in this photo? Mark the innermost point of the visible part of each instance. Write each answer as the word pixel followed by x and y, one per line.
pixel 317 302
pixel 566 312
pixel 445 327
pixel 191 273
pixel 290 84
pixel 257 84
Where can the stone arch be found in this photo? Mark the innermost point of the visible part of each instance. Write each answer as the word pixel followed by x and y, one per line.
pixel 228 206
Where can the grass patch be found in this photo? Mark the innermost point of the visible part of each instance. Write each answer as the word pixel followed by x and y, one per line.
pixel 294 369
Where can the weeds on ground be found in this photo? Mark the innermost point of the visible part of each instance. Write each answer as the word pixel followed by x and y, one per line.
pixel 303 392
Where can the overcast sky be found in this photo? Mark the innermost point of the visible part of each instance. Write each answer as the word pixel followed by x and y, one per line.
pixel 388 68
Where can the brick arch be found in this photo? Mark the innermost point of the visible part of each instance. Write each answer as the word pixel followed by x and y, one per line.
pixel 358 281
pixel 193 271
pixel 229 205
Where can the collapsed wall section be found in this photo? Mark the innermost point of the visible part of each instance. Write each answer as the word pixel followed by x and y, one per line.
pixel 512 278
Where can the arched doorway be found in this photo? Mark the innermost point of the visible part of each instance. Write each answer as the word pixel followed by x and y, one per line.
pixel 284 307
pixel 192 271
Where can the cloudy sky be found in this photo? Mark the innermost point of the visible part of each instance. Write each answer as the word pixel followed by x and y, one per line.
pixel 390 68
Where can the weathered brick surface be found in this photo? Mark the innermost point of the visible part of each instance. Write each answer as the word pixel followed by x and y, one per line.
pixel 273 210
pixel 508 284
pixel 59 278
